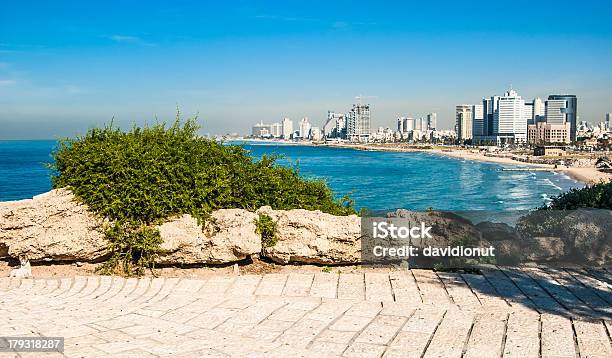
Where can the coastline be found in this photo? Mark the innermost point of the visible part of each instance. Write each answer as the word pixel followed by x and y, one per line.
pixel 586 175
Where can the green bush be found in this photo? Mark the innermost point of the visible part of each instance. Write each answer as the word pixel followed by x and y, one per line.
pixel 140 177
pixel 598 196
pixel 266 227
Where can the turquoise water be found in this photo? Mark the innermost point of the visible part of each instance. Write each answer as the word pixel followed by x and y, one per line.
pixel 376 180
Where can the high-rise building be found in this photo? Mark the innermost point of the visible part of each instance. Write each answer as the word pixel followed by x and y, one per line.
pixel 334 126
pixel 608 121
pixel 358 123
pixel 408 124
pixel 418 124
pixel 571 111
pixel 539 110
pixel 287 128
pixel 489 107
pixel 305 128
pixel 463 123
pixel 276 130
pixel 478 120
pixel 400 124
pixel 555 111
pixel 510 121
pixel 432 121
pixel 316 134
pixel 528 113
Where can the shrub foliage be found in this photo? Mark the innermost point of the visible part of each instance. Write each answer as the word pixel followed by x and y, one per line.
pixel 139 177
pixel 597 196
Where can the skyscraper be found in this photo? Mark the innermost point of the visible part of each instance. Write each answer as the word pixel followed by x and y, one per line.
pixel 539 110
pixel 276 130
pixel 408 124
pixel 418 124
pixel 489 107
pixel 463 123
pixel 510 121
pixel 555 111
pixel 305 128
pixel 358 123
pixel 608 120
pixel 334 126
pixel 571 110
pixel 432 121
pixel 478 120
pixel 287 128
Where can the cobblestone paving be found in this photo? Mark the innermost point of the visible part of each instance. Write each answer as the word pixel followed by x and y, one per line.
pixel 413 313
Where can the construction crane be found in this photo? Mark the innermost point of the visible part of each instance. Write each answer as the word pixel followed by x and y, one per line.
pixel 360 97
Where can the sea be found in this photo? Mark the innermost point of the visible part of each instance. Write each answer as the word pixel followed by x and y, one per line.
pixel 378 181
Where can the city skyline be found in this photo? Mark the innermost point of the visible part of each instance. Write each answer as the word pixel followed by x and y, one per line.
pixel 239 64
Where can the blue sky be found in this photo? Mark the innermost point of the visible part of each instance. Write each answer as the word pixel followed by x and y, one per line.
pixel 66 66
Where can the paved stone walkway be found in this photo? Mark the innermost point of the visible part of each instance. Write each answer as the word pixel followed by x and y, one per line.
pixel 412 313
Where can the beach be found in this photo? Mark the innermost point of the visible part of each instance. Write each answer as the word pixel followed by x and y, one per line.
pixel 585 175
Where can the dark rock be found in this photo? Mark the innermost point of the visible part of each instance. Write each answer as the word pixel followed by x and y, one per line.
pixel 498 231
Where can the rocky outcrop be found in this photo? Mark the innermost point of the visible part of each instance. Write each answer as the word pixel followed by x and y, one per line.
pixel 51 226
pixel 446 228
pixel 543 248
pixel 494 232
pixel 589 234
pixel 228 237
pixel 55 227
pixel 582 236
pixel 305 236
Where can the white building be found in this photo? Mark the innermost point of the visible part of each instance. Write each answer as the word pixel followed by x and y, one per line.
pixel 408 124
pixel 335 125
pixel 510 120
pixel 358 123
pixel 287 128
pixel 304 128
pixel 463 121
pixel 276 130
pixel 539 110
pixel 316 134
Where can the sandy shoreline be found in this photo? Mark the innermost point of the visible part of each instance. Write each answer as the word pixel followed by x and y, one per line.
pixel 588 176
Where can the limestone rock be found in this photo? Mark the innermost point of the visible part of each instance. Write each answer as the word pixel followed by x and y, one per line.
pixel 497 231
pixel 544 248
pixel 585 235
pixel 589 232
pixel 314 237
pixel 52 226
pixel 508 252
pixel 446 228
pixel 229 237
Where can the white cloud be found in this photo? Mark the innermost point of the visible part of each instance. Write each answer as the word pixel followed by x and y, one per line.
pixel 7 82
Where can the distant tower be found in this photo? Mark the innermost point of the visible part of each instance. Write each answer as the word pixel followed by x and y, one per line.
pixel 432 121
pixel 287 128
pixel 571 110
pixel 477 120
pixel 463 121
pixel 358 123
pixel 305 128
pixel 510 121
